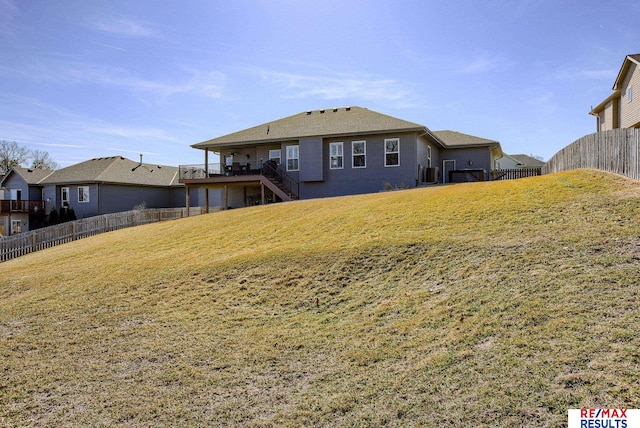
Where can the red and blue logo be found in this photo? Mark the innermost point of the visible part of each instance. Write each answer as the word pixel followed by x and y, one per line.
pixel 604 418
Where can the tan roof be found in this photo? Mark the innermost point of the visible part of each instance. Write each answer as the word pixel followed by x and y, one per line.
pixel 316 123
pixel 454 139
pixel 527 160
pixel 116 170
pixel 31 176
pixel 458 140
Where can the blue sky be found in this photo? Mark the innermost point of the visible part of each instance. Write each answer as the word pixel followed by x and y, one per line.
pixel 90 78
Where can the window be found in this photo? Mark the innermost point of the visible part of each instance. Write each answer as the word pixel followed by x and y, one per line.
pixel 392 152
pixel 629 94
pixel 274 155
pixel 16 226
pixel 428 156
pixel 64 196
pixel 335 156
pixel 83 193
pixel 359 154
pixel 293 158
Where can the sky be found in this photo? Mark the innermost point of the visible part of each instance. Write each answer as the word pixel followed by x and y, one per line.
pixel 82 79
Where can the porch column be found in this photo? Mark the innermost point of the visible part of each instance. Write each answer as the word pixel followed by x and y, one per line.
pixel 206 163
pixel 225 197
pixel 206 199
pixel 262 193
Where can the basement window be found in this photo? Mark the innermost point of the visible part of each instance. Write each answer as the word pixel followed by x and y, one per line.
pixel 392 152
pixel 336 156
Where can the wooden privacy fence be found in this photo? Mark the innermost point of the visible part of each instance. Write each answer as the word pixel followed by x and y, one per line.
pixel 39 239
pixel 613 151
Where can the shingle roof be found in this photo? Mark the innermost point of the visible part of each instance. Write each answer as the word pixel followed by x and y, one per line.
pixel 116 170
pixel 527 160
pixel 325 123
pixel 455 139
pixel 31 176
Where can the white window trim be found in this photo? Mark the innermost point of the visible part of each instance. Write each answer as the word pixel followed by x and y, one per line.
pixel 81 192
pixel 340 155
pixel 390 153
pixel 363 154
pixel 64 190
pixel 428 156
pixel 291 158
pixel 629 94
pixel 279 156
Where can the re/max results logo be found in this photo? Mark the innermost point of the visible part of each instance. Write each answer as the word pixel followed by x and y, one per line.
pixel 604 418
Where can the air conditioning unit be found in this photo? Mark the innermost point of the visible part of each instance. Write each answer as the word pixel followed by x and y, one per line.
pixel 431 175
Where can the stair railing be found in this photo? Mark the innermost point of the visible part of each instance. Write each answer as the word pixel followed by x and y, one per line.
pixel 271 169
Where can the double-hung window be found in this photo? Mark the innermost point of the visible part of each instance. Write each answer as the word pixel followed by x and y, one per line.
pixel 392 152
pixel 83 193
pixel 359 154
pixel 336 156
pixel 274 155
pixel 293 158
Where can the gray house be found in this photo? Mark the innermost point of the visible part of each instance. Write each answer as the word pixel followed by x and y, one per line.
pixel 112 184
pixel 22 207
pixel 97 186
pixel 333 152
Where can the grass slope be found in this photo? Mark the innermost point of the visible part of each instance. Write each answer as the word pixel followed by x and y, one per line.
pixel 500 304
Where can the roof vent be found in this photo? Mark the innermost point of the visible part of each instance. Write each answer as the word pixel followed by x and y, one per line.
pixel 335 109
pixel 348 109
pixel 308 112
pixel 321 111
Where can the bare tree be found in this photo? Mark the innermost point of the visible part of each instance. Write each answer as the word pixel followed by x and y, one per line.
pixel 42 160
pixel 11 154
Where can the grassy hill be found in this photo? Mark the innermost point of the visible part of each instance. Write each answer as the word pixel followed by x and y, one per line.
pixel 486 304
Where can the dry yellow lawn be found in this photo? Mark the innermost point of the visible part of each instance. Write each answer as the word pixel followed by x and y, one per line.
pixel 489 304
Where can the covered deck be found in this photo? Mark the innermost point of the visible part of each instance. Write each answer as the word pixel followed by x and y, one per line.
pixel 270 183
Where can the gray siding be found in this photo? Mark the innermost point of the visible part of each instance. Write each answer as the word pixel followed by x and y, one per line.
pixel 15 182
pixel 311 151
pixel 468 158
pixel 374 178
pixel 115 198
pixel 106 198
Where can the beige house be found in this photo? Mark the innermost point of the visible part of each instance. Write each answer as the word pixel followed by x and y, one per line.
pixel 622 108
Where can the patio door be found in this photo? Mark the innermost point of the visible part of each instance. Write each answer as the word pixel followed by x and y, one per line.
pixel 447 166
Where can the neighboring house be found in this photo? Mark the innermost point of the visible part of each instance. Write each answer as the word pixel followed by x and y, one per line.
pixel 112 184
pixel 622 108
pixel 97 186
pixel 332 152
pixel 518 162
pixel 22 207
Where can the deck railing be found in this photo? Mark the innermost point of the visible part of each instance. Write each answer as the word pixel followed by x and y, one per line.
pixel 24 243
pixel 21 206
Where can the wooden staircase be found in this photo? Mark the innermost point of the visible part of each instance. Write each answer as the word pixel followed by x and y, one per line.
pixel 278 187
